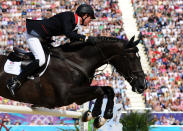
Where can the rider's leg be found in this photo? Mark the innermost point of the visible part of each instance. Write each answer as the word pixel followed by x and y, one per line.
pixel 37 50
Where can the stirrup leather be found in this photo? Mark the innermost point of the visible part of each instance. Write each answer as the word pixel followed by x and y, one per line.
pixel 12 84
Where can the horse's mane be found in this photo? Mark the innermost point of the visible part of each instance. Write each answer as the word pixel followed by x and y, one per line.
pixel 109 39
pixel 73 46
pixel 77 45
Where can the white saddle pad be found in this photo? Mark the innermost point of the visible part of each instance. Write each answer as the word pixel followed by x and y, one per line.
pixel 12 67
pixel 15 67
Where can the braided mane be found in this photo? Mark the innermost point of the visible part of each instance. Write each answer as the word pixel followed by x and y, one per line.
pixel 78 44
pixel 110 39
pixel 105 38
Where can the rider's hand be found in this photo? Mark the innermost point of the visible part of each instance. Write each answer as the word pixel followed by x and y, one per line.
pixel 91 40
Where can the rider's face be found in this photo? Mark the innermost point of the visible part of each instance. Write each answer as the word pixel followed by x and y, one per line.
pixel 87 20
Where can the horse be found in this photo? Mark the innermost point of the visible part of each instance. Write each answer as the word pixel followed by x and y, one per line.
pixel 130 69
pixel 70 72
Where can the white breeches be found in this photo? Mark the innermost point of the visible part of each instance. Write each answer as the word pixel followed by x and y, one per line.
pixel 36 48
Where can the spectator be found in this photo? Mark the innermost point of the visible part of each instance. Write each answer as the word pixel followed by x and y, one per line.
pixel 160 23
pixel 17 122
pixel 6 120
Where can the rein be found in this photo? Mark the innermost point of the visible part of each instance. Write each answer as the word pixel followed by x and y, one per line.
pixel 103 56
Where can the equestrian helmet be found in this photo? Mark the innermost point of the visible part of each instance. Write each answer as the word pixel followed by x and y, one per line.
pixel 85 9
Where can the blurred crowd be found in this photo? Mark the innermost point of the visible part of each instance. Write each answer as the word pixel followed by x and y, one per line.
pixel 161 23
pixel 13 14
pixel 167 119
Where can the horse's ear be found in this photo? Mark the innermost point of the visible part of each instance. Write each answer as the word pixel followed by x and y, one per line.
pixel 131 42
pixel 136 42
pixel 140 36
pixel 132 39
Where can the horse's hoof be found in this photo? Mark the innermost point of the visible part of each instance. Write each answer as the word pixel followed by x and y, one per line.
pixel 108 114
pixel 99 121
pixel 87 116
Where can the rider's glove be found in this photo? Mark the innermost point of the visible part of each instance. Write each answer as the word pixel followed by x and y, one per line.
pixel 90 40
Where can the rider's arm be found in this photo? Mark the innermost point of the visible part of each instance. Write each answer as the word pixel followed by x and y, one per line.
pixel 68 25
pixel 75 36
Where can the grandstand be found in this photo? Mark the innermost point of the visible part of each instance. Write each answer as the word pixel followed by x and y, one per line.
pixel 161 50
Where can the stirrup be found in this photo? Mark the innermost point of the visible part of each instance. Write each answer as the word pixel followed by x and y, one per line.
pixel 12 85
pixel 14 81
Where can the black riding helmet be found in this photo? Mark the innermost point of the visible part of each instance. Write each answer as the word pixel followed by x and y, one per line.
pixel 85 9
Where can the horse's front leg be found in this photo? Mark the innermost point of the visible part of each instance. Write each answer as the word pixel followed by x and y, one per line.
pixel 84 94
pixel 96 111
pixel 108 114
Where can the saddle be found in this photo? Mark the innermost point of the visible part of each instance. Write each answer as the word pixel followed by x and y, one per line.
pixel 20 57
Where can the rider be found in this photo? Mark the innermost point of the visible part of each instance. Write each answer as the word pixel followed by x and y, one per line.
pixel 65 23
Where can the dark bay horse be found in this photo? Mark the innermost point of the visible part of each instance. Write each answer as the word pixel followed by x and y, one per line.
pixel 70 71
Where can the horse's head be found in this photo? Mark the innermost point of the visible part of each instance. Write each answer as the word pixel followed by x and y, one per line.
pixel 129 66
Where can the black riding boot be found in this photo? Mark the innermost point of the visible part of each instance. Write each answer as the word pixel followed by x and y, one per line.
pixel 16 82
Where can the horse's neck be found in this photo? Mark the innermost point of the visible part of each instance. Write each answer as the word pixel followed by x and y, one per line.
pixel 101 53
pixel 90 57
pixel 109 49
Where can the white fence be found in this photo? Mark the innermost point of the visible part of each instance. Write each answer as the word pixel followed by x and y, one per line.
pixel 40 111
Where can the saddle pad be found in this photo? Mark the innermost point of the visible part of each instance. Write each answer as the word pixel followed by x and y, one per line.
pixel 12 67
pixel 15 68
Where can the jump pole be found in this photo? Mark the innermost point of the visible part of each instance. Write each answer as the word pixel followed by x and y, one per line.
pixel 39 111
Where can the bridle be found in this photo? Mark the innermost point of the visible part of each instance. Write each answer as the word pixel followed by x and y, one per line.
pixel 130 75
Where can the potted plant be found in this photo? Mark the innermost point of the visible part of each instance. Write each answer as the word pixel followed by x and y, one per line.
pixel 135 121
